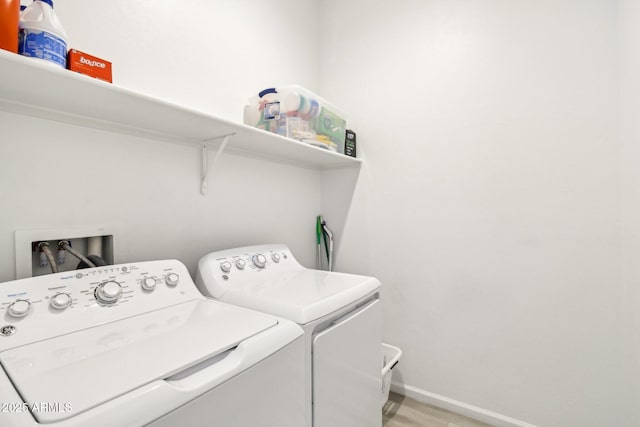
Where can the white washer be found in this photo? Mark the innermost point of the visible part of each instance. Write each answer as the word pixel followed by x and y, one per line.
pixel 137 344
pixel 340 314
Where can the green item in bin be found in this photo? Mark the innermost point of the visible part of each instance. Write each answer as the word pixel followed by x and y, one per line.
pixel 330 124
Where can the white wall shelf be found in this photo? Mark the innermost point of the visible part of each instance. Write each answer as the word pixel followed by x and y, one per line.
pixel 36 88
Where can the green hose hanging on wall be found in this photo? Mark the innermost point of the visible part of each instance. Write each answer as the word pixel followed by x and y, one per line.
pixel 324 236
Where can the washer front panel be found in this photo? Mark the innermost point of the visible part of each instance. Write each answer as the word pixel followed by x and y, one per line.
pixel 95 365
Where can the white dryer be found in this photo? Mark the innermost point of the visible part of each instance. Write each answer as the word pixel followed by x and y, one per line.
pixel 137 344
pixel 340 314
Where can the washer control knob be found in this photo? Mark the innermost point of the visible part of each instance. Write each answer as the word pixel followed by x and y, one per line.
pixel 275 257
pixel 225 266
pixel 172 279
pixel 108 292
pixel 60 301
pixel 240 264
pixel 19 308
pixel 259 260
pixel 148 283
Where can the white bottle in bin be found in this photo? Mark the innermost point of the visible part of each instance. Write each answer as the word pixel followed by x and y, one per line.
pixel 264 113
pixel 297 113
pixel 42 35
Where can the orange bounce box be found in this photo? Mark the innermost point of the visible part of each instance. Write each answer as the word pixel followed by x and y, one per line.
pixel 93 66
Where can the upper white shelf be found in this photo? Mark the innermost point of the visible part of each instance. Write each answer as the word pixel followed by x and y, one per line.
pixel 35 88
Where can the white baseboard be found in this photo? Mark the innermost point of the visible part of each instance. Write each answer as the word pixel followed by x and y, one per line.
pixel 457 407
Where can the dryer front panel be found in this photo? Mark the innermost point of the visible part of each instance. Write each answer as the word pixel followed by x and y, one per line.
pixel 347 384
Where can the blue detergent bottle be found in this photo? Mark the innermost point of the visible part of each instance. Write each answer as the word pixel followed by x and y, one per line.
pixel 42 35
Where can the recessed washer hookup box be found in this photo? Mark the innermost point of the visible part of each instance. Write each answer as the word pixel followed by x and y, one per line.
pixel 89 65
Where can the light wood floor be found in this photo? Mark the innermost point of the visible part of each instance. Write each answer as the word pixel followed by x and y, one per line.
pixel 401 411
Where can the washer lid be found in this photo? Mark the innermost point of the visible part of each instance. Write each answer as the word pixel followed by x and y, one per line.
pixel 302 296
pixel 72 373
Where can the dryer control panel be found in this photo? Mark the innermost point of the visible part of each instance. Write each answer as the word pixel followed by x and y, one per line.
pixel 249 264
pixel 44 306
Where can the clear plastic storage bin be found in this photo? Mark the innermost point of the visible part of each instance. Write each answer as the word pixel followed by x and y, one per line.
pixel 390 357
pixel 298 113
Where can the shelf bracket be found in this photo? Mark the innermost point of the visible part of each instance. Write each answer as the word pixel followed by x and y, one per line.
pixel 204 186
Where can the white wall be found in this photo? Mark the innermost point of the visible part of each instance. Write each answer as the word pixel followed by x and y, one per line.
pixel 489 206
pixel 208 55
pixel 629 21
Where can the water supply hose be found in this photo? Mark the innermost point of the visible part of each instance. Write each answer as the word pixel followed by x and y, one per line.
pixel 64 244
pixel 44 247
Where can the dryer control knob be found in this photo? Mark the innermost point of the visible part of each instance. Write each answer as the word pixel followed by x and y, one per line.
pixel 172 279
pixel 60 301
pixel 225 266
pixel 240 264
pixel 19 308
pixel 148 283
pixel 108 292
pixel 275 257
pixel 259 260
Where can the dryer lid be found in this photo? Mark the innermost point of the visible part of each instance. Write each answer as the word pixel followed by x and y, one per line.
pixel 303 295
pixel 73 373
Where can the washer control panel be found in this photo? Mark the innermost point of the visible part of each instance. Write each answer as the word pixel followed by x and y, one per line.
pixel 45 306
